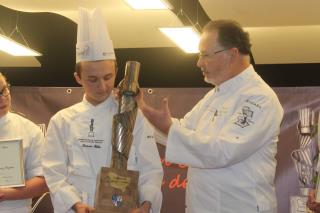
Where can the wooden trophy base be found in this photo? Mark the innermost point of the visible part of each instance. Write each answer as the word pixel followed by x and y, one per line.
pixel 117 191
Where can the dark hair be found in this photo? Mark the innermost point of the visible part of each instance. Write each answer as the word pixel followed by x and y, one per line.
pixel 78 68
pixel 230 34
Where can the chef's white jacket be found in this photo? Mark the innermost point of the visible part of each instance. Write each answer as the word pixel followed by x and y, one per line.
pixel 229 140
pixel 78 144
pixel 13 126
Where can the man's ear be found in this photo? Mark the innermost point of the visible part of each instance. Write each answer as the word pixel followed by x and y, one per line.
pixel 78 78
pixel 233 53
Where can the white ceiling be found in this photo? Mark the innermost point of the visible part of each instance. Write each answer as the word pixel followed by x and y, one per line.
pixel 282 31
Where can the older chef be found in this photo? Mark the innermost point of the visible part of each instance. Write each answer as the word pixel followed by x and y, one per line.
pixel 78 140
pixel 229 139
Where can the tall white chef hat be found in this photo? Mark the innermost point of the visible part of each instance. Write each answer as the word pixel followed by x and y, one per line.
pixel 93 39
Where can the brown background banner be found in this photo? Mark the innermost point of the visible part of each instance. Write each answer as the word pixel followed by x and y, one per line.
pixel 40 103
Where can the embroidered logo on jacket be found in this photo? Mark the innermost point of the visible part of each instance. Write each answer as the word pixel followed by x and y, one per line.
pixel 91 133
pixel 91 141
pixel 244 119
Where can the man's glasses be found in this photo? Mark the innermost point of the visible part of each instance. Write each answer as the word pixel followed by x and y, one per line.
pixel 208 55
pixel 5 91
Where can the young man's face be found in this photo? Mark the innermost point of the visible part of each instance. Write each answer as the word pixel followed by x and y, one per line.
pixel 97 79
pixel 5 98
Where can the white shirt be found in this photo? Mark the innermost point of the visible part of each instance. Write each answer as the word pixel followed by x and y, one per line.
pixel 78 144
pixel 229 140
pixel 13 126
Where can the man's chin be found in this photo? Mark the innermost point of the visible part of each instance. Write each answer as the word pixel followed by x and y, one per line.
pixel 102 98
pixel 208 81
pixel 97 99
pixel 3 111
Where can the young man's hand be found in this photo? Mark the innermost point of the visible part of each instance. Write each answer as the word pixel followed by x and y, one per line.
pixel 144 208
pixel 82 208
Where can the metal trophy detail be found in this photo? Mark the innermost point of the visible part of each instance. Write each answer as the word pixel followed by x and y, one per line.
pixel 117 187
pixel 306 124
pixel 318 165
pixel 305 158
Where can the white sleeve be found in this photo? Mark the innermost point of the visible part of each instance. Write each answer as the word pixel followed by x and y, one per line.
pixel 33 159
pixel 54 162
pixel 149 166
pixel 234 143
pixel 160 137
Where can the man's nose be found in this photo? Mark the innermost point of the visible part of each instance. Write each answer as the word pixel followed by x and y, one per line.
pixel 101 84
pixel 199 62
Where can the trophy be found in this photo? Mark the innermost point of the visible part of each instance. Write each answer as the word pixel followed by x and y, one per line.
pixel 117 187
pixel 305 158
pixel 318 165
pixel 306 124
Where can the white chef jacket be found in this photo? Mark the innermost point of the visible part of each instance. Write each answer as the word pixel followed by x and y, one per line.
pixel 229 140
pixel 13 126
pixel 78 144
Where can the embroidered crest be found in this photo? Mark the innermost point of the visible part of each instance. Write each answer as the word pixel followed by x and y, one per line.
pixel 91 133
pixel 91 141
pixel 244 119
pixel 83 51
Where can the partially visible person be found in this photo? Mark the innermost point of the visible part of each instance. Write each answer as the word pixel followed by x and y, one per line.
pixel 312 204
pixel 13 126
pixel 229 139
pixel 79 138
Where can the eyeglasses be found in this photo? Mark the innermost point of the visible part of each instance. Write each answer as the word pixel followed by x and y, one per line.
pixel 208 55
pixel 5 91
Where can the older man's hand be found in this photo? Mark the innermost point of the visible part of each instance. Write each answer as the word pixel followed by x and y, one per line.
pixel 311 203
pixel 159 118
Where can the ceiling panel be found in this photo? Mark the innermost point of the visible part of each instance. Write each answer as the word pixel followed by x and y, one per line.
pixel 282 32
pixel 128 28
pixel 285 45
pixel 262 13
pixel 285 31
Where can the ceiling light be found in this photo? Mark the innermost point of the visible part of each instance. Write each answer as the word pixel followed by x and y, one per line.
pixel 185 37
pixel 148 4
pixel 18 61
pixel 16 49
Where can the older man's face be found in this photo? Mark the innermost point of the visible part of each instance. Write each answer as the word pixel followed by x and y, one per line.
pixel 213 58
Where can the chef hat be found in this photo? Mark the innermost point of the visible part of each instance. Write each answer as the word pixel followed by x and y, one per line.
pixel 93 39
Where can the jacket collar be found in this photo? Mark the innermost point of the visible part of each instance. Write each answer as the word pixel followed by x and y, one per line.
pixel 237 81
pixel 102 105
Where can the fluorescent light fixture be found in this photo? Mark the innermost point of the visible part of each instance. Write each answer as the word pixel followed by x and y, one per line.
pixel 148 4
pixel 14 48
pixel 7 60
pixel 185 37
